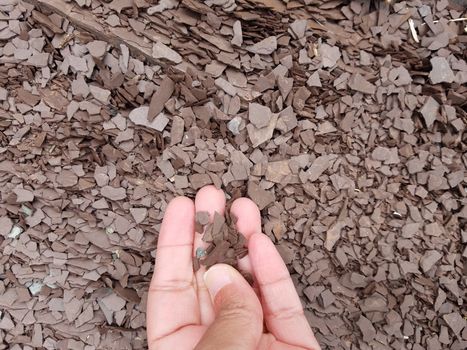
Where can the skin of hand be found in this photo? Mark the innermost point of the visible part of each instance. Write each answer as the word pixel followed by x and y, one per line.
pixel 218 309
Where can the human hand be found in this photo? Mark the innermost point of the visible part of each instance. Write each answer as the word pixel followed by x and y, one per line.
pixel 221 310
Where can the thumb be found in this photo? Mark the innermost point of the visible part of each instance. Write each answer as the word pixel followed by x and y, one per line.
pixel 239 316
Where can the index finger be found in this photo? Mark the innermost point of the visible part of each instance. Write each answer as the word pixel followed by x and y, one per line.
pixel 248 223
pixel 283 311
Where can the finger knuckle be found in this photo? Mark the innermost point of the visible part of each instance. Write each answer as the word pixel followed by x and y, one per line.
pixel 237 310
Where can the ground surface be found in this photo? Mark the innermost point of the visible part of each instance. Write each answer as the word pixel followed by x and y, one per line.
pixel 345 126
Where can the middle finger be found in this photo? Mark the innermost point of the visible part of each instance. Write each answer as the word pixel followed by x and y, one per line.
pixel 211 200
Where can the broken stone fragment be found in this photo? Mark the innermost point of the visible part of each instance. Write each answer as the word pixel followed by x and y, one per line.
pixel 139 116
pixel 440 72
pixel 160 50
pixel 264 47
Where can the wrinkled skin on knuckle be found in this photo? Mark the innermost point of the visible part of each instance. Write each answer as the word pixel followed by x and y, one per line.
pixel 231 303
pixel 237 311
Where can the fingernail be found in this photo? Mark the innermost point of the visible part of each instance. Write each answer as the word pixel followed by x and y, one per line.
pixel 216 278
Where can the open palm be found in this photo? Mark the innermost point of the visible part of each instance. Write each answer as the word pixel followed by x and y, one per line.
pixel 179 309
